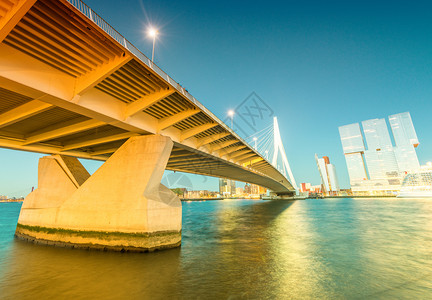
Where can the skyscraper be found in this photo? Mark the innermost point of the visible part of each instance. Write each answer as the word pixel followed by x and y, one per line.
pixel 380 157
pixel 328 175
pixel 354 148
pixel 406 141
pixel 226 186
pixel 385 163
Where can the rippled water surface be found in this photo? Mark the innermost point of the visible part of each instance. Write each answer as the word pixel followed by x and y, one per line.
pixel 241 249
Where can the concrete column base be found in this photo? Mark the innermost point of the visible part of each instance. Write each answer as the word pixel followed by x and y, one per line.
pixel 122 206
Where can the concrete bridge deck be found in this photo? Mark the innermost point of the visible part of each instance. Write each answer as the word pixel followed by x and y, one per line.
pixel 70 84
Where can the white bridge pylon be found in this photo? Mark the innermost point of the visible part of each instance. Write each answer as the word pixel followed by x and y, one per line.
pixel 269 144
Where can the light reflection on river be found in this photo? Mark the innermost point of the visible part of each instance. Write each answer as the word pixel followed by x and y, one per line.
pixel 242 249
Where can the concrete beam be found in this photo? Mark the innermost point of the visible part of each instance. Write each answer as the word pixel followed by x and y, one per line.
pixel 14 143
pixel 60 131
pixel 239 153
pixel 98 141
pixel 254 161
pixel 177 118
pixel 11 19
pixel 104 151
pixel 245 158
pixel 194 131
pixel 212 138
pixel 90 80
pixel 145 102
pixel 23 111
pixel 221 145
pixel 232 149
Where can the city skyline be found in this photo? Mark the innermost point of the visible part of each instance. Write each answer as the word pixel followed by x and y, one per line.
pixel 316 68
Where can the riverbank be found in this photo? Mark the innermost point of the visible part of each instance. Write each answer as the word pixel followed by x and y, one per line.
pixel 11 200
pixel 355 197
pixel 219 198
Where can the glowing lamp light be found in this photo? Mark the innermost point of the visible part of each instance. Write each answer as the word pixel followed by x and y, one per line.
pixel 152 32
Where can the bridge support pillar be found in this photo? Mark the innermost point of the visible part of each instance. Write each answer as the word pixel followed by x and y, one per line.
pixel 122 206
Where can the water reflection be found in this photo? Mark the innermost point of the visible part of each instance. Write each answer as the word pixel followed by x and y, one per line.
pixel 327 249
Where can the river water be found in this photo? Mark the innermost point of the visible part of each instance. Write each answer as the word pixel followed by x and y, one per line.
pixel 243 249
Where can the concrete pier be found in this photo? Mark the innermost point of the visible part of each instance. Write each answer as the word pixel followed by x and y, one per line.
pixel 122 206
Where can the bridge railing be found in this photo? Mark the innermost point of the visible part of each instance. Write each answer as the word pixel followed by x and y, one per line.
pixel 101 23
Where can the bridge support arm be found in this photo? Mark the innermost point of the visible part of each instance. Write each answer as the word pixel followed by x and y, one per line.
pixel 122 206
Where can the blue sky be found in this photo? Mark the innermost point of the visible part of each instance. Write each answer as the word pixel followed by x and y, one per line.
pixel 317 64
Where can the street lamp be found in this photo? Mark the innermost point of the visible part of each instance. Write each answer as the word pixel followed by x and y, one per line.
pixel 255 140
pixel 152 32
pixel 231 114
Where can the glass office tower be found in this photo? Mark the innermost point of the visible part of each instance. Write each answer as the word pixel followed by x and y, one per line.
pixel 386 164
pixel 351 137
pixel 406 141
pixel 353 147
pixel 380 157
pixel 376 134
pixel 403 129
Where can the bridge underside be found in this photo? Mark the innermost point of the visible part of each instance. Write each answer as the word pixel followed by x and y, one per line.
pixel 68 87
pixel 71 86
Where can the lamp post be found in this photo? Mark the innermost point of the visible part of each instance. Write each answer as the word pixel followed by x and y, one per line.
pixel 153 33
pixel 231 114
pixel 255 140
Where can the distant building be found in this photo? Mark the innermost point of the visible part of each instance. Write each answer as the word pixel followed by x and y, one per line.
pixel 227 186
pixel 305 187
pixel 379 167
pixel 330 183
pixel 316 189
pixel 239 191
pixel 257 190
pixel 247 188
pixel 200 194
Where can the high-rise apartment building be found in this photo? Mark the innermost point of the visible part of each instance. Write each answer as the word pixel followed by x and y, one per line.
pixel 328 175
pixel 226 186
pixel 373 162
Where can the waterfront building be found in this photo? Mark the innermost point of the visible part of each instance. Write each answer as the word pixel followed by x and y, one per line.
pixel 226 186
pixel 239 191
pixel 305 187
pixel 374 164
pixel 330 184
pixel 316 189
pixel 200 194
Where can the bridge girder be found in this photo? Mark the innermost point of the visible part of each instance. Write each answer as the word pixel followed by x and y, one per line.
pixel 56 103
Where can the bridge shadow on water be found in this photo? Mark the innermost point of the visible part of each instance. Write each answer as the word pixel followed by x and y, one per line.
pixel 49 272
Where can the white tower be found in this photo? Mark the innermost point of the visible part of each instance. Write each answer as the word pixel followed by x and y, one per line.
pixel 279 148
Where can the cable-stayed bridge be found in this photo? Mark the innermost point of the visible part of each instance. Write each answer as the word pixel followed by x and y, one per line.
pixel 268 143
pixel 72 86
